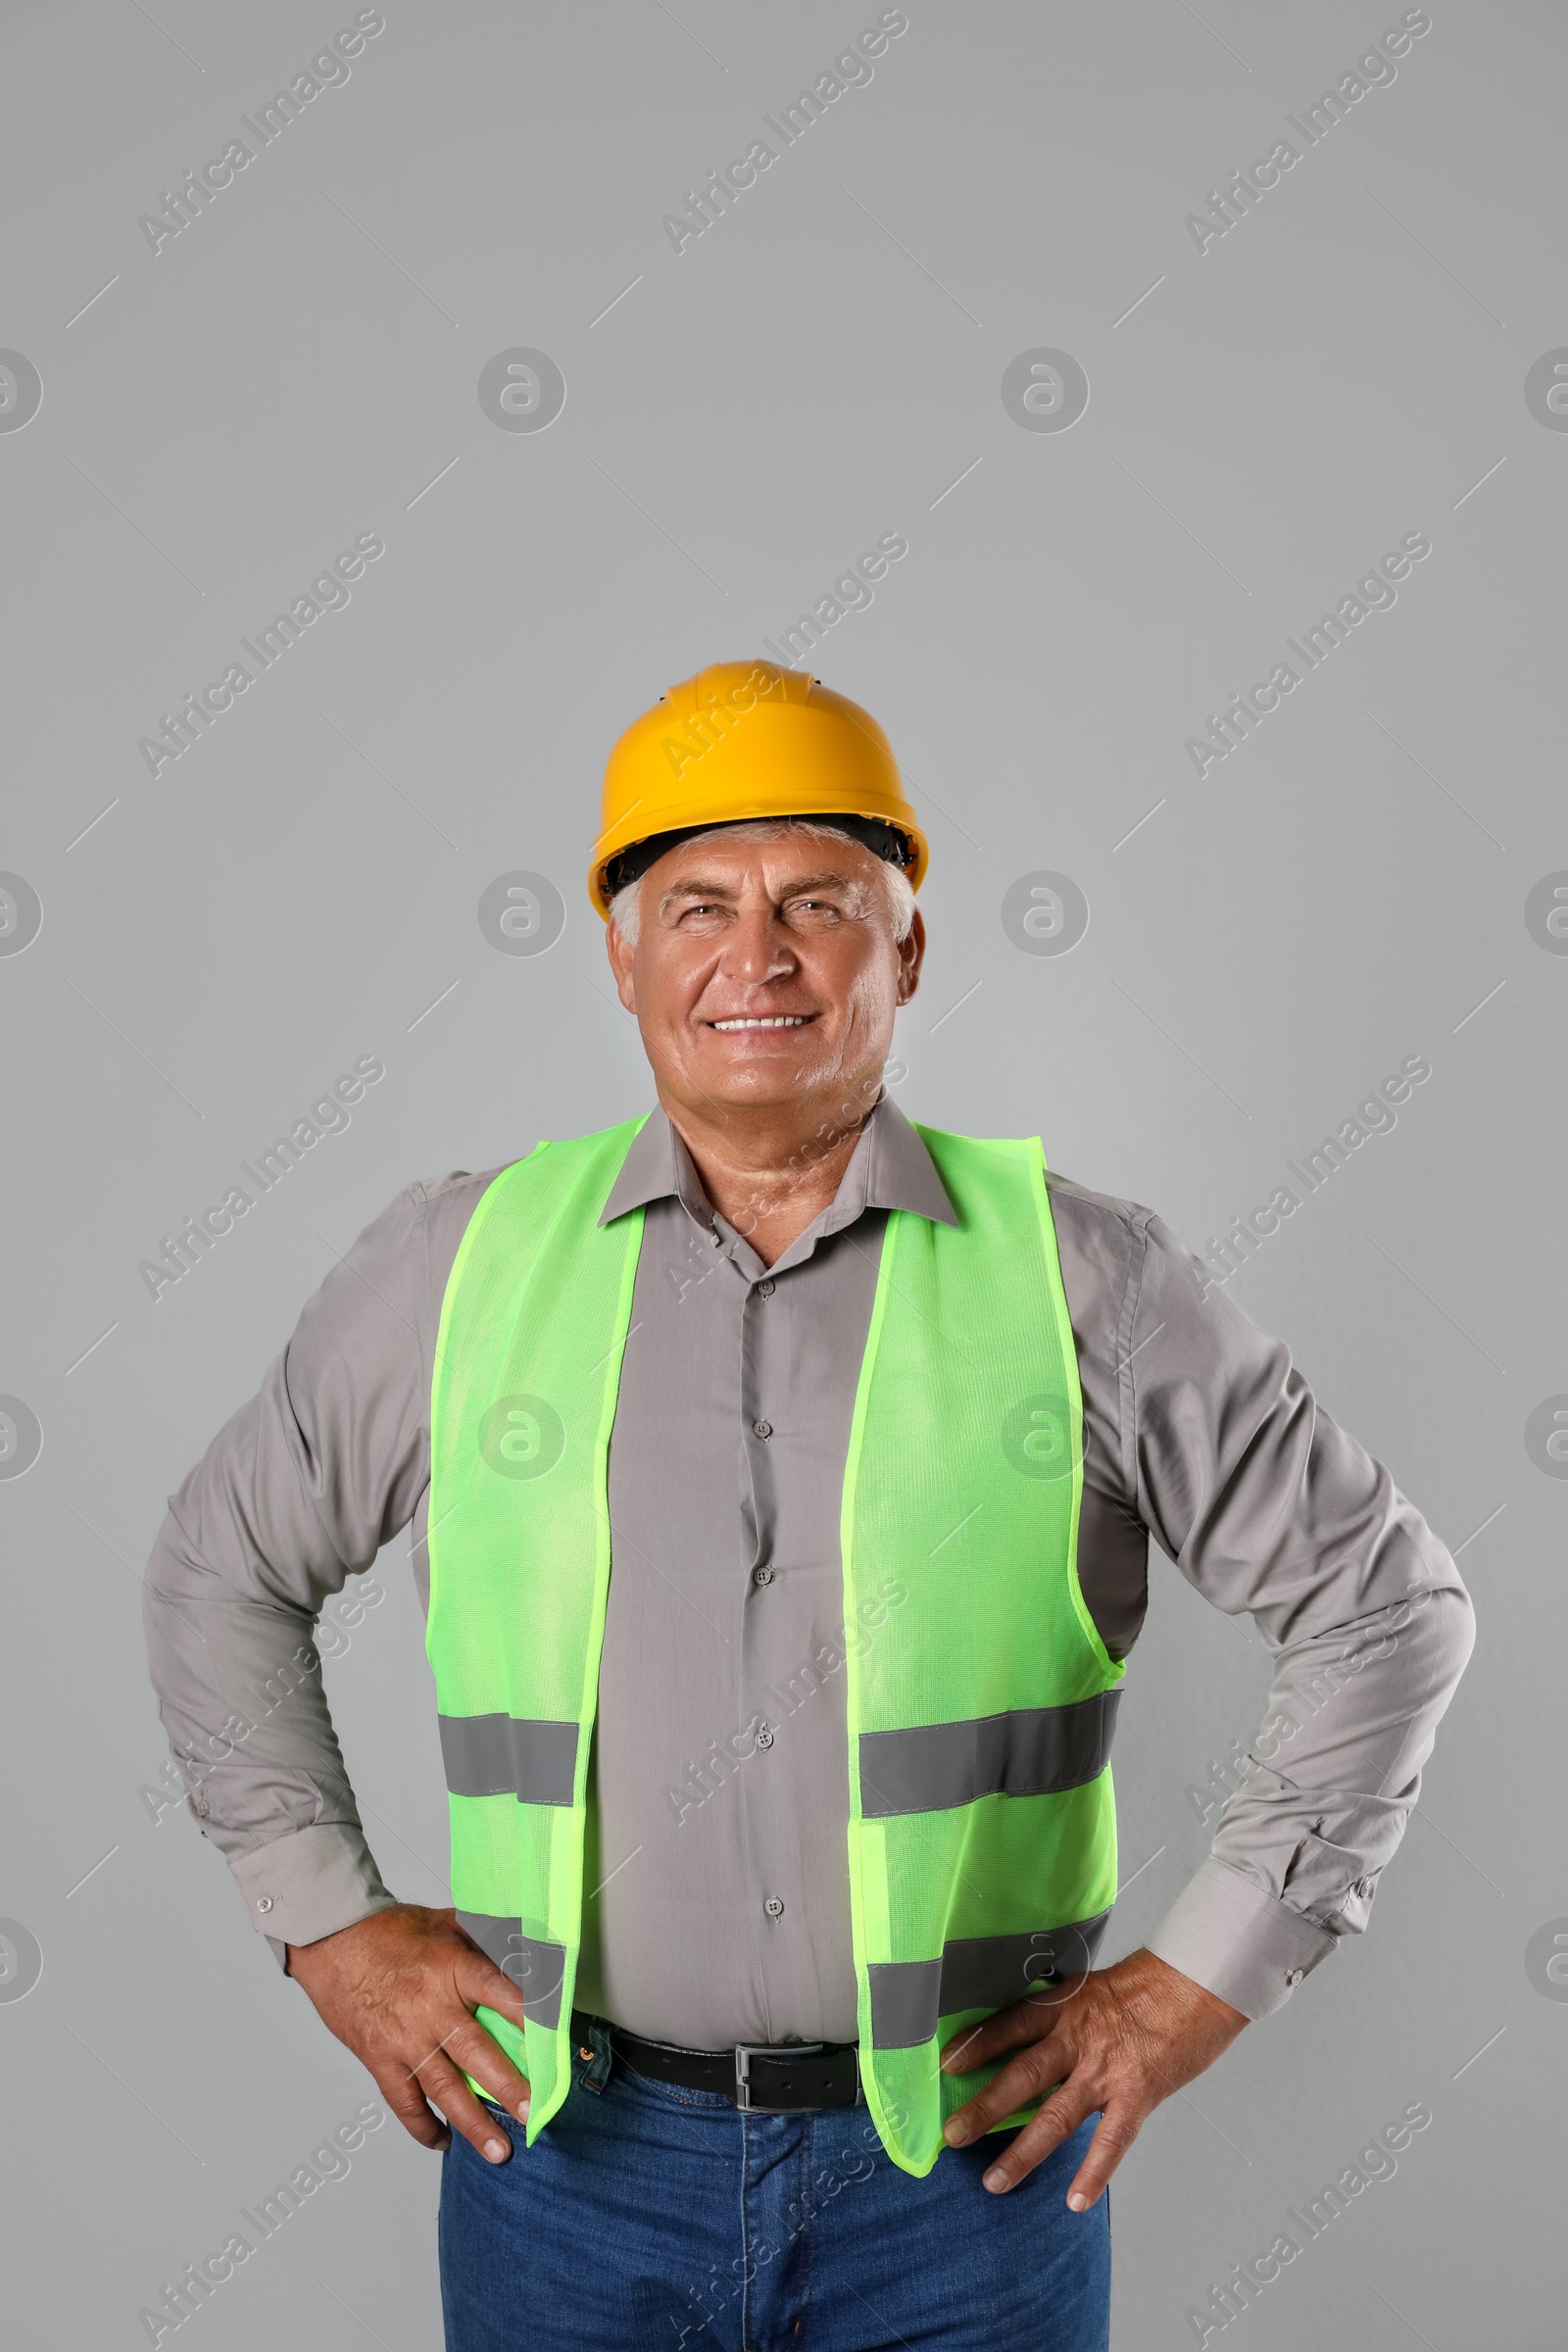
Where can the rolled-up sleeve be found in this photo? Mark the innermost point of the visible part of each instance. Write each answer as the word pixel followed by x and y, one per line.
pixel 298 1492
pixel 1267 1506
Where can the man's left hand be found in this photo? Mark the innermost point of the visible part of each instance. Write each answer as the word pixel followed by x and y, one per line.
pixel 1119 2039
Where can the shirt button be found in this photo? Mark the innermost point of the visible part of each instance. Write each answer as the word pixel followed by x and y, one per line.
pixel 774 1906
pixel 763 1575
pixel 263 1902
pixel 1292 1976
pixel 762 1429
pixel 765 1739
pixel 765 1289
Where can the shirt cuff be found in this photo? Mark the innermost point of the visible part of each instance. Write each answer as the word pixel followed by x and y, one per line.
pixel 307 1884
pixel 1230 1934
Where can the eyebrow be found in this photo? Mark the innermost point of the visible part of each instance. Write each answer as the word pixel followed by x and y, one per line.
pixel 697 888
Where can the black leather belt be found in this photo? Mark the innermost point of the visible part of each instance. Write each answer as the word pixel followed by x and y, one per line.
pixel 788 2078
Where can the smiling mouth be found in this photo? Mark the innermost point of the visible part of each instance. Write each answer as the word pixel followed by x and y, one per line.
pixel 777 1020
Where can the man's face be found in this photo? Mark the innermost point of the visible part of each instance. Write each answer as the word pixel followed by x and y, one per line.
pixel 796 933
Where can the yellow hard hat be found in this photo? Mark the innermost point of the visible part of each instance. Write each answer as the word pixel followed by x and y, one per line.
pixel 748 739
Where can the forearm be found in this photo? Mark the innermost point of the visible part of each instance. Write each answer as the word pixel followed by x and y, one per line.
pixel 297 1493
pixel 239 1691
pixel 1270 1508
pixel 1323 1794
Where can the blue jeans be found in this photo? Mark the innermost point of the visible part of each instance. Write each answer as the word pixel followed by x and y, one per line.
pixel 648 2218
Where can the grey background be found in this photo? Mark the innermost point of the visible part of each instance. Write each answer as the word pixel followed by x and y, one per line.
pixel 302 886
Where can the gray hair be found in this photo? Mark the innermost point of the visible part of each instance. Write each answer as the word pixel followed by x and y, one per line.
pixel 900 891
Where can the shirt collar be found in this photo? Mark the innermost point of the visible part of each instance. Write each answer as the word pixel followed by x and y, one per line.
pixel 890 1168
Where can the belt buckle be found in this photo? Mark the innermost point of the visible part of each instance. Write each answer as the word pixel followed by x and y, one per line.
pixel 746 2051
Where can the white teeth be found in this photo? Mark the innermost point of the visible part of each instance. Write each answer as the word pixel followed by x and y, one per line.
pixel 786 1020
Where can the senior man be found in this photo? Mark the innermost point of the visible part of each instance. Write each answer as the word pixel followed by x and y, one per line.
pixel 781 1475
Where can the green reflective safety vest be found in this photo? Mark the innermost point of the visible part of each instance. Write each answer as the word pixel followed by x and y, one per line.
pixel 981 1700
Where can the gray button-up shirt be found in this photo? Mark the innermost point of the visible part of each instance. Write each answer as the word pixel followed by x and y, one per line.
pixel 717 1905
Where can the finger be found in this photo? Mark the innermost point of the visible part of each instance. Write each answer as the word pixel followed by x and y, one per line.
pixel 470 2046
pixel 1032 2019
pixel 1058 2119
pixel 441 2082
pixel 1023 2022
pixel 403 2095
pixel 1117 2129
pixel 1033 2074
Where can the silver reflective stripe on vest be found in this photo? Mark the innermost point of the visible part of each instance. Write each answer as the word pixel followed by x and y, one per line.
pixel 498 1755
pixel 1033 1751
pixel 975 1972
pixel 538 1969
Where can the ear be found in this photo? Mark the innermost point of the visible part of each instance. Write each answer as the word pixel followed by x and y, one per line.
pixel 911 956
pixel 620 964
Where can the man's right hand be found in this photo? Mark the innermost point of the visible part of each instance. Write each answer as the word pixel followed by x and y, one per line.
pixel 400 1989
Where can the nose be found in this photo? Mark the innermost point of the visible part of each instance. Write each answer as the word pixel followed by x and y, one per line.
pixel 758 949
